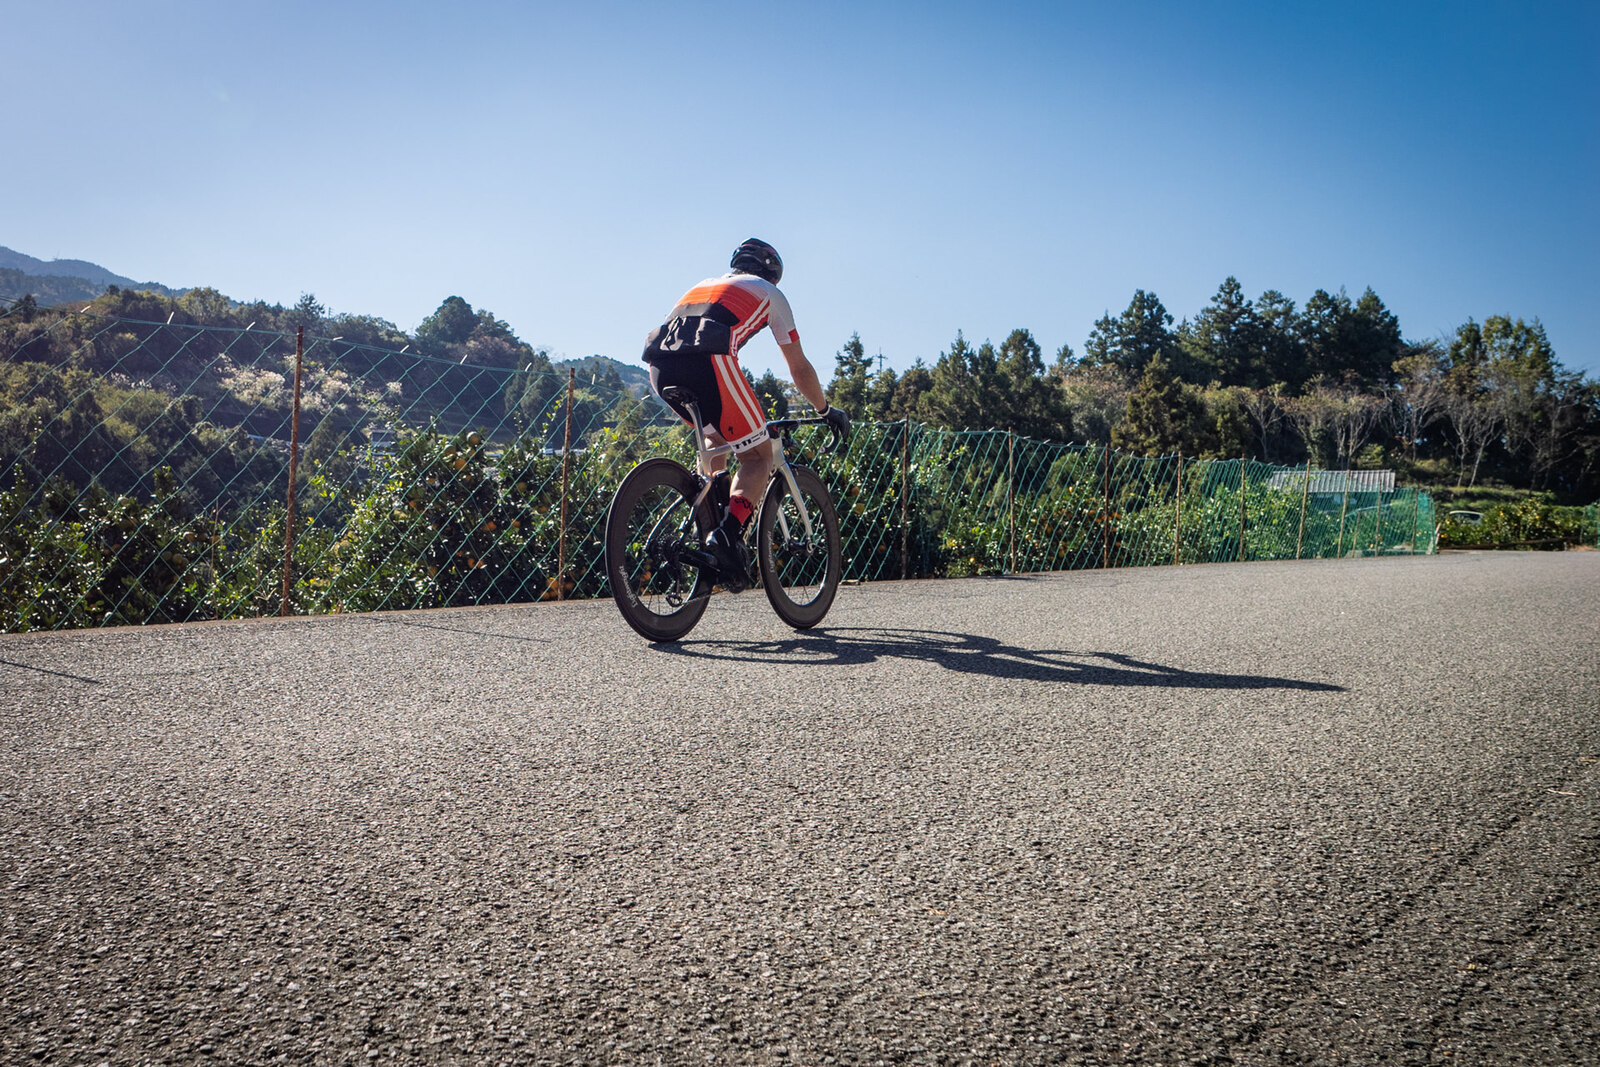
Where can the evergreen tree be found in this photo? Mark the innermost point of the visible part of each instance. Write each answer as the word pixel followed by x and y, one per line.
pixel 1225 342
pixel 952 400
pixel 881 391
pixel 1036 407
pixel 1164 415
pixel 770 391
pixel 1350 341
pixel 1131 340
pixel 308 312
pixel 910 391
pixel 1282 353
pixel 848 388
pixel 450 325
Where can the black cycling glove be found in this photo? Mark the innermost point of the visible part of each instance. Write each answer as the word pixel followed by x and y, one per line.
pixel 837 420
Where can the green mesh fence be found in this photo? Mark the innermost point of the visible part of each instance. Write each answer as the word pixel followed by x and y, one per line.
pixel 147 472
pixel 916 501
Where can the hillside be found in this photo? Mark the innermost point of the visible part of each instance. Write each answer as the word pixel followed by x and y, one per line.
pixel 633 377
pixel 59 280
pixel 47 289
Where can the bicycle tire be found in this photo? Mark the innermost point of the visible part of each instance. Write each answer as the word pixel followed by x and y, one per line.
pixel 799 574
pixel 660 594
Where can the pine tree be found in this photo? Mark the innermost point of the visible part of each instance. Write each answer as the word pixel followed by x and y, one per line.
pixel 1164 415
pixel 848 388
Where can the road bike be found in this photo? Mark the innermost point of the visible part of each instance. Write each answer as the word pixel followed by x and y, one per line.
pixel 660 571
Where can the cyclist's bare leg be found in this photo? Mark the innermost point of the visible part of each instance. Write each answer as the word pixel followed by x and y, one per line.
pixel 755 467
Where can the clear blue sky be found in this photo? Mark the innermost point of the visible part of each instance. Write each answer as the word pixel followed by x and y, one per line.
pixel 923 167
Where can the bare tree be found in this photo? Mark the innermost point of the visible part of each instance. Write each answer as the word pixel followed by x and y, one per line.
pixel 1420 395
pixel 1476 420
pixel 1334 420
pixel 1266 409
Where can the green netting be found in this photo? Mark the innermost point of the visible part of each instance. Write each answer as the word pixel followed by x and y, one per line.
pixel 145 476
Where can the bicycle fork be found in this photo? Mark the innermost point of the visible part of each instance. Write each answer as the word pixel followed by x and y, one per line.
pixel 781 466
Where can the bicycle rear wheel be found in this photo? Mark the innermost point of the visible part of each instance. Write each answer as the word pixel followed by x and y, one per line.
pixel 652 537
pixel 800 568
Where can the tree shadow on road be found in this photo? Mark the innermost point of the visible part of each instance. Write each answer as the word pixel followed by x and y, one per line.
pixel 973 654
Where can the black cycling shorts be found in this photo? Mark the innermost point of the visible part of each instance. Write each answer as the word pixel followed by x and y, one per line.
pixel 727 403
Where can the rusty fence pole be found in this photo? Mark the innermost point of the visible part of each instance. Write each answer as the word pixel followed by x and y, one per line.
pixel 294 469
pixel 1344 509
pixel 1105 512
pixel 1242 486
pixel 1377 526
pixel 1177 517
pixel 905 498
pixel 1416 510
pixel 1305 496
pixel 1011 495
pixel 566 465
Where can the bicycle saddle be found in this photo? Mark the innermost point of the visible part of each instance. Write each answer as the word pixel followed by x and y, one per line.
pixel 677 394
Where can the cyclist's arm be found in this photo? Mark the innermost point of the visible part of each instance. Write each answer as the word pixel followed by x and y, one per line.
pixel 804 375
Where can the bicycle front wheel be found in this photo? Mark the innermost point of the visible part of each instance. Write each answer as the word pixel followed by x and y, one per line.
pixel 800 560
pixel 650 530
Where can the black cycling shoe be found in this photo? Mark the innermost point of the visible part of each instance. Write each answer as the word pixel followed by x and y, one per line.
pixel 726 544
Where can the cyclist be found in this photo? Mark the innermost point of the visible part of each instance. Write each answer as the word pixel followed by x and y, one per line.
pixel 697 348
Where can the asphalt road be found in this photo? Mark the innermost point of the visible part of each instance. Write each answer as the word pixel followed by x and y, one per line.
pixel 1334 812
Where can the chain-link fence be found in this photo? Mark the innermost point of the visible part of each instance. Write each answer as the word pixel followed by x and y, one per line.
pixel 159 472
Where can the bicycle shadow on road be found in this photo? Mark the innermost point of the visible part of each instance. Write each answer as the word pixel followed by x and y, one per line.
pixel 974 654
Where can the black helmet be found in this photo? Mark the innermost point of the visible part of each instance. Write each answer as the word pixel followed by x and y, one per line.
pixel 758 258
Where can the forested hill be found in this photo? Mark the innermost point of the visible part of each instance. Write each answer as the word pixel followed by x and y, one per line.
pixel 1334 381
pixel 462 368
pixel 449 332
pixel 591 370
pixel 61 280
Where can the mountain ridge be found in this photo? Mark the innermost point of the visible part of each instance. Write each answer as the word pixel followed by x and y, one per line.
pixel 55 272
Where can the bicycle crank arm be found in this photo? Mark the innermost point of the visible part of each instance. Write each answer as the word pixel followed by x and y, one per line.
pixel 699 558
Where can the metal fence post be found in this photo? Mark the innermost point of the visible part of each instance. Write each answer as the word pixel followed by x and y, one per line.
pixel 1105 512
pixel 1343 510
pixel 294 468
pixel 905 496
pixel 1377 526
pixel 566 464
pixel 1011 495
pixel 1305 495
pixel 1177 518
pixel 1242 462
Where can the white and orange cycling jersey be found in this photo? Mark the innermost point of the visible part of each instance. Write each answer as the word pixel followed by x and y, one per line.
pixel 745 305
pixel 753 303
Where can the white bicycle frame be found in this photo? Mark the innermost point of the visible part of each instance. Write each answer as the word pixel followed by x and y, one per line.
pixel 704 453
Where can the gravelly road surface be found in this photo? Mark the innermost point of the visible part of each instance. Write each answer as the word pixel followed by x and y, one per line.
pixel 1341 812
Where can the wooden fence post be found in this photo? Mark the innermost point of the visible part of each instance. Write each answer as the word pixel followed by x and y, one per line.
pixel 294 468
